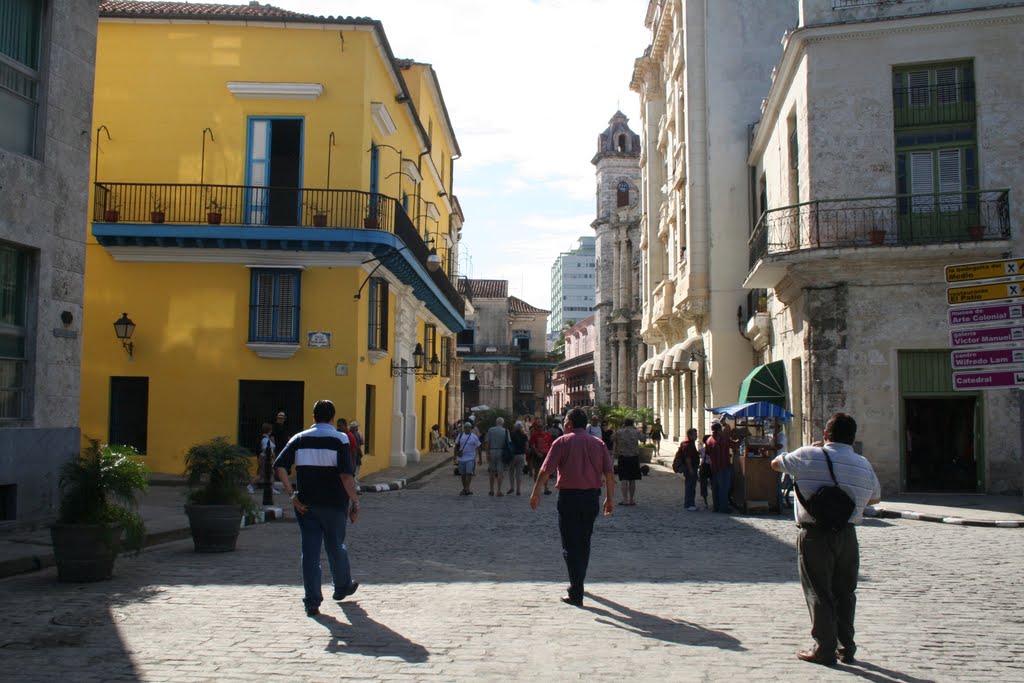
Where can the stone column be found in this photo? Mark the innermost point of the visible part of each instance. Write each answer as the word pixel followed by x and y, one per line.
pixel 620 389
pixel 624 271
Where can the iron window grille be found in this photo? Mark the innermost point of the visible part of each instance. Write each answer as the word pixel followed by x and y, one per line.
pixel 274 306
pixel 377 325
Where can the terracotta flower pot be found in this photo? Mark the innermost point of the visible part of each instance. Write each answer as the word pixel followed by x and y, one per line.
pixel 320 220
pixel 156 216
pixel 876 236
pixel 976 232
pixel 213 217
pixel 111 216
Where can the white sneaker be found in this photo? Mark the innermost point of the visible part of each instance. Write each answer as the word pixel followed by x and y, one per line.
pixel 692 508
pixel 278 492
pixel 250 488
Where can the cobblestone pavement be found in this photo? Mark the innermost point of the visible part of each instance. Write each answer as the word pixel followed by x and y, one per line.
pixel 466 589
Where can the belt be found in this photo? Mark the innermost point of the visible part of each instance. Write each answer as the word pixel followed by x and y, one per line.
pixel 813 525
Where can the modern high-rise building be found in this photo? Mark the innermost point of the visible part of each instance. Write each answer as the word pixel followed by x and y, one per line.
pixel 572 284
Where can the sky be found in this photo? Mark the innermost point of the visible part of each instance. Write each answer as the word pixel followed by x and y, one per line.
pixel 529 85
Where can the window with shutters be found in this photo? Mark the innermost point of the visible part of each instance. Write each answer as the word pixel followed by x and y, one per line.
pixel 274 306
pixel 429 343
pixel 14 283
pixel 377 325
pixel 20 49
pixel 936 151
pixel 446 360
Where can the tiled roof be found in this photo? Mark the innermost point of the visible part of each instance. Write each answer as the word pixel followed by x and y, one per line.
pixel 519 306
pixel 483 289
pixel 200 10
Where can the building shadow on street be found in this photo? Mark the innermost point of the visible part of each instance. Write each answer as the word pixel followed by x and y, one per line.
pixel 648 625
pixel 878 674
pixel 364 636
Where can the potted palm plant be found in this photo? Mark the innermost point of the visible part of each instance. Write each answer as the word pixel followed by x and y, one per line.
pixel 97 512
pixel 319 215
pixel 110 208
pixel 217 472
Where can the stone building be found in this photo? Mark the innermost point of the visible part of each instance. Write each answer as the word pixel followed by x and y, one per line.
pixel 46 80
pixel 619 350
pixel 572 285
pixel 501 359
pixel 572 382
pixel 914 110
pixel 701 81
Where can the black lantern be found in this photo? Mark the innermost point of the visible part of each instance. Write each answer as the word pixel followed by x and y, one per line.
pixel 124 328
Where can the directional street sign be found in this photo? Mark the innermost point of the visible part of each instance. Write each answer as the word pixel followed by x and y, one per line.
pixel 977 315
pixel 987 335
pixel 991 292
pixel 969 272
pixel 988 379
pixel 986 357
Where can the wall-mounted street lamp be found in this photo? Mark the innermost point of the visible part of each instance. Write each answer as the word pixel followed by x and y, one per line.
pixel 696 360
pixel 472 374
pixel 418 358
pixel 124 328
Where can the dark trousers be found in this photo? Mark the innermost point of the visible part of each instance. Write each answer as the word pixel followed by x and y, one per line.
pixel 829 563
pixel 577 510
pixel 721 486
pixel 690 489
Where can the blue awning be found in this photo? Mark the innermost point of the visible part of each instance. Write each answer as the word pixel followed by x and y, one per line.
pixel 756 409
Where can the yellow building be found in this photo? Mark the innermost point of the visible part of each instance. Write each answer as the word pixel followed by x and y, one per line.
pixel 273 211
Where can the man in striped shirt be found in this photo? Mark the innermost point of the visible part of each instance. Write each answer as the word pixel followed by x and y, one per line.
pixel 325 497
pixel 829 560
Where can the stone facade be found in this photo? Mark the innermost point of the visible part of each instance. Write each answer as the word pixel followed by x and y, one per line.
pixel 44 175
pixel 700 82
pixel 620 350
pixel 871 337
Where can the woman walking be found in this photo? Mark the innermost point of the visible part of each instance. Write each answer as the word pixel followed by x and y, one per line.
pixel 539 445
pixel 519 444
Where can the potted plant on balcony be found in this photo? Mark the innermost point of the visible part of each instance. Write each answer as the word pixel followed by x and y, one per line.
pixel 110 208
pixel 976 232
pixel 213 211
pixel 372 220
pixel 217 472
pixel 157 215
pixel 97 512
pixel 319 215
pixel 876 235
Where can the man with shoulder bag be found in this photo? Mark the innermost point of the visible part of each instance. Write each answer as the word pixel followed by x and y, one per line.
pixel 833 484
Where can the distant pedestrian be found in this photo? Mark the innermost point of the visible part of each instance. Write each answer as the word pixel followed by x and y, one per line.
pixel 607 435
pixel 281 431
pixel 555 428
pixel 594 428
pixel 829 558
pixel 539 444
pixel 466 445
pixel 719 452
pixel 325 496
pixel 656 435
pixel 704 470
pixel 496 440
pixel 627 451
pixel 582 464
pixel 265 459
pixel 353 427
pixel 686 463
pixel 520 442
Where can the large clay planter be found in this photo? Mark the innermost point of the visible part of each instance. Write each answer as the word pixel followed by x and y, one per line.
pixel 646 454
pixel 214 527
pixel 85 552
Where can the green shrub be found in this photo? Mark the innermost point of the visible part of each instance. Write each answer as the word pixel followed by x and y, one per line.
pixel 217 471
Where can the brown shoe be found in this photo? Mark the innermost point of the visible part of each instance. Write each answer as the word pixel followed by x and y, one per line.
pixel 846 655
pixel 814 657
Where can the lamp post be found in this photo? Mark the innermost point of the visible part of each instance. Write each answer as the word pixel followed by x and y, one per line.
pixel 124 328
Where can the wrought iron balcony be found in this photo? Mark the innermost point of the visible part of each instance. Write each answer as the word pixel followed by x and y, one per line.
pixel 937 104
pixel 258 208
pixel 902 220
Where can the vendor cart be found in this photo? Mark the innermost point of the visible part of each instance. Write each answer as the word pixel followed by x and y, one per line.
pixel 755 483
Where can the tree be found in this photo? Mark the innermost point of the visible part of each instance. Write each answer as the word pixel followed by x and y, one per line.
pixel 558 350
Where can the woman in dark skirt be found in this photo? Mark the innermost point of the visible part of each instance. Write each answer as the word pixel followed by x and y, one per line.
pixel 627 448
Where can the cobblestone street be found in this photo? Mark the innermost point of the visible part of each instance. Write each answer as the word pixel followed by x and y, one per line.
pixel 467 588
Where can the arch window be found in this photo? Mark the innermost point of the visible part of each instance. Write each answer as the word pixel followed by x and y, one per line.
pixel 622 194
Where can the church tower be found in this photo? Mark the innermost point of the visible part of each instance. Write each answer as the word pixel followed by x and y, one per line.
pixel 617 308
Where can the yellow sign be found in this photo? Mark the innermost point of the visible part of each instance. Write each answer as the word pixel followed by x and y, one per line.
pixel 968 272
pixel 991 292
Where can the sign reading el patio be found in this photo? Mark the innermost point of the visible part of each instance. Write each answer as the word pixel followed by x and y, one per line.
pixel 991 292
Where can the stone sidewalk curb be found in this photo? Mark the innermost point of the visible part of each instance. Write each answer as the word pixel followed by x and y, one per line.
pixel 886 513
pixel 399 484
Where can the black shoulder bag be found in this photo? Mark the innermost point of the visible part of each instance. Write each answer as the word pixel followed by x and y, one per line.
pixel 830 506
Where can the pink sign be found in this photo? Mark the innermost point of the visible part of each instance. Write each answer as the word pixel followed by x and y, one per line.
pixel 987 335
pixel 982 358
pixel 992 379
pixel 978 315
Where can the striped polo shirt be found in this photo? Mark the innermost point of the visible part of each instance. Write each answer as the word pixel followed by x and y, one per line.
pixel 809 470
pixel 320 455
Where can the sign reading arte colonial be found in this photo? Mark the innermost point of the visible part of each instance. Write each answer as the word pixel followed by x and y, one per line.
pixel 996 331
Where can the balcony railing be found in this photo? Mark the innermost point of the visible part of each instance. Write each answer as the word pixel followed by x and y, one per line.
pixel 262 207
pixel 902 220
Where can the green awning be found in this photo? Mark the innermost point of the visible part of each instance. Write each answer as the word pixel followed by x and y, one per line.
pixel 765 383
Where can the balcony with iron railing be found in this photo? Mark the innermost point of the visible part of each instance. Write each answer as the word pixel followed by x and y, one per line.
pixel 937 104
pixel 877 222
pixel 202 215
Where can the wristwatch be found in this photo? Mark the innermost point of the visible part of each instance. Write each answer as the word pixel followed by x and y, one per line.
pixel 294 493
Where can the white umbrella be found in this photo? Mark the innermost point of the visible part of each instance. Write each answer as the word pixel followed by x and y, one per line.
pixel 479 408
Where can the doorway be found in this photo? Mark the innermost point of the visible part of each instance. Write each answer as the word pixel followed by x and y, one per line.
pixel 940 442
pixel 274 162
pixel 259 401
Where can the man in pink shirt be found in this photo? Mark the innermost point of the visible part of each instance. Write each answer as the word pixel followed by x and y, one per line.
pixel 582 463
